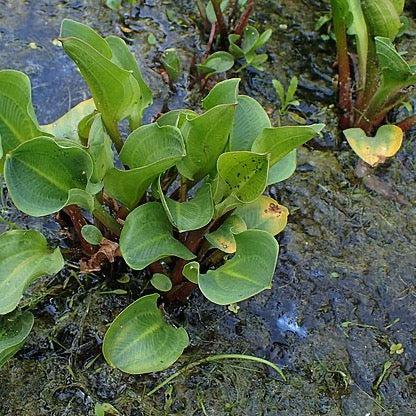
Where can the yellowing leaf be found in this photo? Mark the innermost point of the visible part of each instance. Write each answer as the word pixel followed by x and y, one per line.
pixel 375 150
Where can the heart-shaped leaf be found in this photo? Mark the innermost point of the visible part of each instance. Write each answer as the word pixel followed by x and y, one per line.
pixel 40 175
pixel 244 174
pixel 66 127
pixel 205 139
pixel 14 329
pixel 375 150
pixel 249 272
pixel 148 151
pixel 140 341
pixel 172 63
pixel 249 121
pixel 191 271
pixel 172 118
pixel 223 238
pixel 264 214
pixel 280 141
pixel 147 237
pixel 115 91
pixel 24 256
pixel 18 122
pixel 190 215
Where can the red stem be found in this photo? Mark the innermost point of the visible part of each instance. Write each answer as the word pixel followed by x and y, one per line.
pixel 244 18
pixel 407 123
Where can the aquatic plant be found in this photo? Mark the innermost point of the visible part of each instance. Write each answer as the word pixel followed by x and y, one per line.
pixel 383 77
pixel 182 197
pixel 230 36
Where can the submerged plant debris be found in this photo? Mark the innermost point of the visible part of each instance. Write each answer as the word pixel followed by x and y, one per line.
pixel 344 290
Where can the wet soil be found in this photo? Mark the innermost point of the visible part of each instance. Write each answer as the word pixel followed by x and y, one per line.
pixel 345 286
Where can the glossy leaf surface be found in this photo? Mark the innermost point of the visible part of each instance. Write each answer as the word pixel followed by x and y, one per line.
pixel 249 121
pixel 161 282
pixel 280 141
pixel 249 272
pixel 66 127
pixel 24 256
pixel 192 214
pixel 147 237
pixel 140 341
pixel 40 175
pixel 205 139
pixel 18 122
pixel 148 151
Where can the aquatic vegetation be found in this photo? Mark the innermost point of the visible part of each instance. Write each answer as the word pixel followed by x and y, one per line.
pixel 182 197
pixel 286 98
pixel 229 35
pixel 383 78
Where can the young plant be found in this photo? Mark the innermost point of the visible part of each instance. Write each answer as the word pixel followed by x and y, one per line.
pixel 286 98
pixel 226 23
pixel 383 79
pixel 186 203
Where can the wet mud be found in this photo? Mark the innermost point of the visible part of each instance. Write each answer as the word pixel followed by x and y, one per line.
pixel 345 286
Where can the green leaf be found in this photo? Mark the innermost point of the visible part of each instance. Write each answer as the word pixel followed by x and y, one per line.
pixel 66 127
pixel 250 38
pixel 140 341
pixel 264 214
pixel 24 256
pixel 234 49
pixel 147 237
pixel 244 174
pixel 249 272
pixel 161 282
pixel 40 175
pixel 382 17
pixel 100 149
pixel 172 118
pixel 113 4
pixel 293 86
pixel 210 10
pixel 280 141
pixel 398 5
pixel 71 28
pixel 396 72
pixel 14 329
pixel 172 63
pixel 190 215
pixel 223 238
pixel 115 91
pixel 205 139
pixel 216 63
pixel 280 91
pixel 249 121
pixel 126 60
pixel 375 150
pixel 283 169
pixel 191 271
pixel 148 151
pixel 225 92
pixel 91 234
pixel 18 122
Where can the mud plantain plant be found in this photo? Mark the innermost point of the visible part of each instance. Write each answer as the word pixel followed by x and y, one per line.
pixel 383 78
pixel 182 197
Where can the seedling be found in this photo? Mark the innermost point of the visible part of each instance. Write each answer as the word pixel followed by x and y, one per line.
pixel 186 203
pixel 383 77
pixel 286 98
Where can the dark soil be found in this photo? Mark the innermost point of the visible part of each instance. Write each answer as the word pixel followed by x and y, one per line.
pixel 345 286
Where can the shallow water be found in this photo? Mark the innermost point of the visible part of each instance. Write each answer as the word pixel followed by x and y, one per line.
pixel 345 286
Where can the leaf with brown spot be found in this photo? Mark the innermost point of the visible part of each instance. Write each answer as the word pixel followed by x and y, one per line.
pixel 223 238
pixel 375 150
pixel 264 214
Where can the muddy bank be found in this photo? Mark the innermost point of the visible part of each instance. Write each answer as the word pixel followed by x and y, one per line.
pixel 344 289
